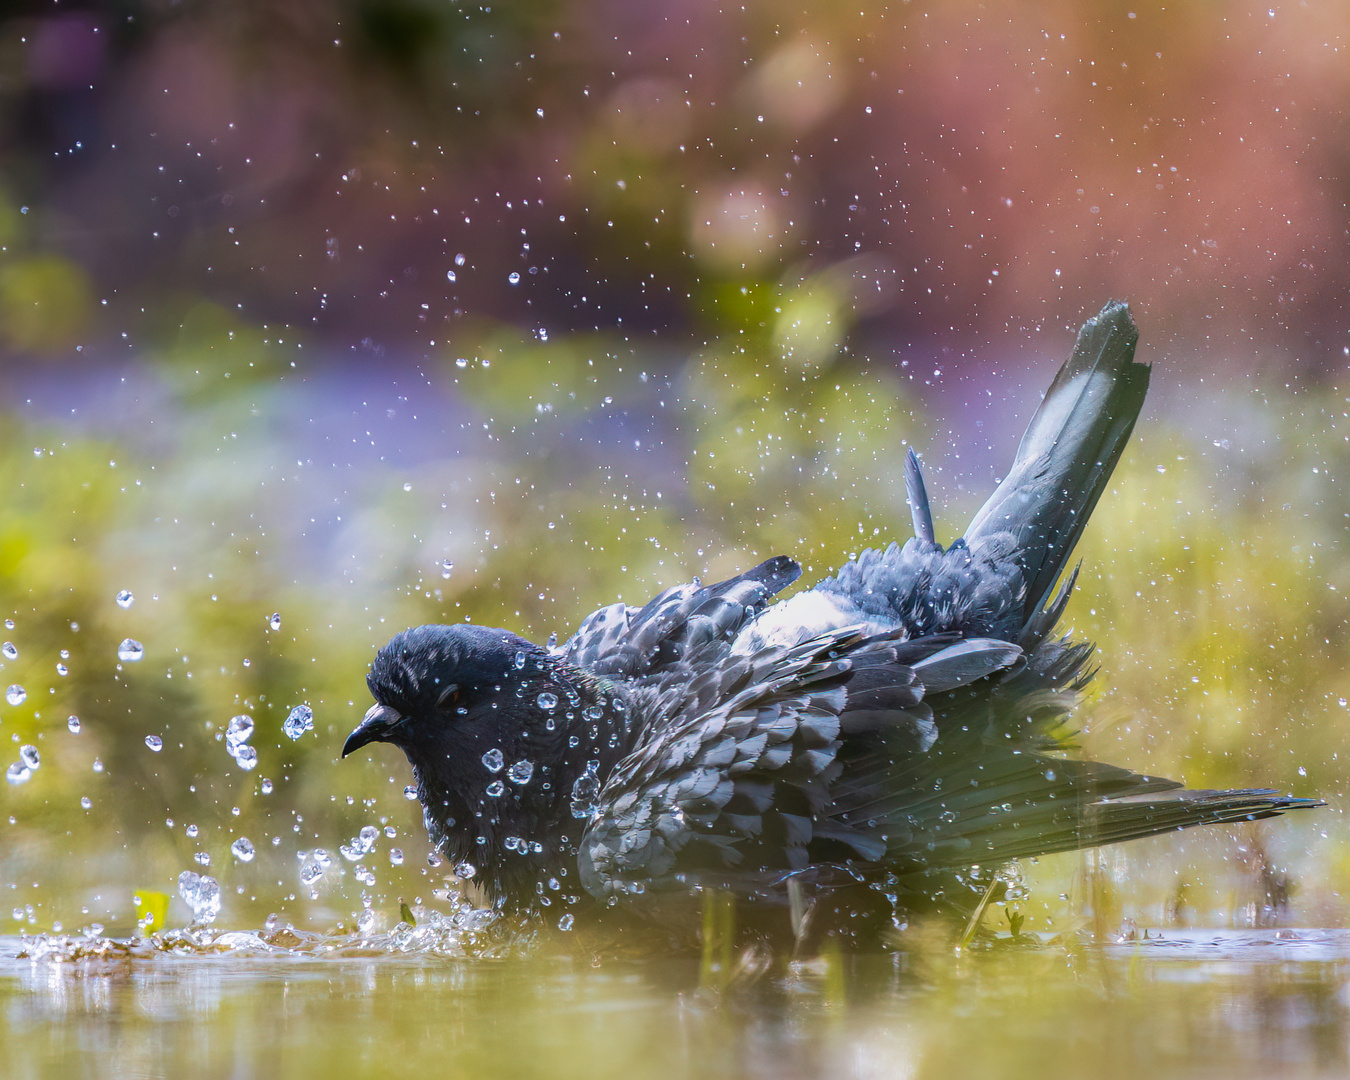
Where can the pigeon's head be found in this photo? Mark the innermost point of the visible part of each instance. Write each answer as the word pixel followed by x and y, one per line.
pixel 432 681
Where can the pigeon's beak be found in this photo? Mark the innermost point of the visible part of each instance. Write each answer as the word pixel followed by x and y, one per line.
pixel 377 726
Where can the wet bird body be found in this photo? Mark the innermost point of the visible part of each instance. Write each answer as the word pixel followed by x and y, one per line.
pixel 898 723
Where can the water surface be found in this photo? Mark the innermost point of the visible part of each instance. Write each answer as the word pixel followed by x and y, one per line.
pixel 1188 1003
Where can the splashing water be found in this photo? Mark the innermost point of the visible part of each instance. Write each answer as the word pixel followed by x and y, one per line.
pixel 237 732
pixel 202 894
pixel 300 720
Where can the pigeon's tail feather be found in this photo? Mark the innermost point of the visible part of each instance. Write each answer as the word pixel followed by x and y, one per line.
pixel 1038 805
pixel 1068 453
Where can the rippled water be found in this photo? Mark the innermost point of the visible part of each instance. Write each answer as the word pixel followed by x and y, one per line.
pixel 1193 1003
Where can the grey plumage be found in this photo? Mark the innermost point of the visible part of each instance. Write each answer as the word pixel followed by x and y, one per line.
pixel 903 718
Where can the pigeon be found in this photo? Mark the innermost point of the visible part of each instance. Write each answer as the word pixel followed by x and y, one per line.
pixel 866 744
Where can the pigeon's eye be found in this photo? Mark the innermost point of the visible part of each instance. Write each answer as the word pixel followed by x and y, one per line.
pixel 448 697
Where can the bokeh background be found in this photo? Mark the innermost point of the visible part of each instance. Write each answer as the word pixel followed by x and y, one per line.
pixel 365 314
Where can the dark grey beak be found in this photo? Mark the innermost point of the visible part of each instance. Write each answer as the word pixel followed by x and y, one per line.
pixel 377 726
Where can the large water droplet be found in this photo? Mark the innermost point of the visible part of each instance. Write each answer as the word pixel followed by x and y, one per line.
pixel 18 773
pixel 513 278
pixel 546 701
pixel 9 651
pixel 130 650
pixel 520 772
pixel 396 856
pixel 28 754
pixel 410 793
pixel 496 788
pixel 16 694
pixel 586 791
pixel 125 599
pixel 493 760
pixel 237 731
pixel 242 849
pixel 73 723
pixel 154 742
pixel 201 894
pixel 266 786
pixel 299 721
pixel 247 759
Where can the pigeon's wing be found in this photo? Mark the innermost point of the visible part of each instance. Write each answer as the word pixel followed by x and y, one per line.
pixel 733 781
pixel 850 756
pixel 625 641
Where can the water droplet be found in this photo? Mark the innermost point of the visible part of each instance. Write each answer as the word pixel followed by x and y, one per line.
pixel 546 701
pixel 247 759
pixel 513 278
pixel 98 765
pixel 125 599
pixel 202 858
pixel 369 834
pixel 410 793
pixel 586 791
pixel 396 856
pixel 520 772
pixel 493 760
pixel 275 621
pixel 565 923
pixel 201 894
pixel 18 773
pixel 154 742
pixel 459 260
pixel 9 650
pixel 192 831
pixel 496 788
pixel 237 731
pixel 465 870
pixel 130 650
pixel 519 661
pixel 62 670
pixel 74 725
pixel 242 849
pixel 29 755
pixel 446 567
pixel 593 712
pixel 86 802
pixel 299 721
pixel 16 694
pixel 266 786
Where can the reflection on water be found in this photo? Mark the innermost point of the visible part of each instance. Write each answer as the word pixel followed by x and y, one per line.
pixel 1225 1003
